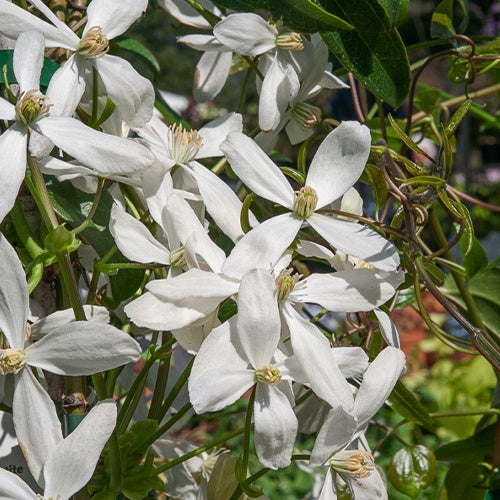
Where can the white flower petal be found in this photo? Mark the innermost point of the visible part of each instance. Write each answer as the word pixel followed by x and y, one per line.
pixel 151 312
pixel 83 348
pixel 14 20
pixel 219 375
pixel 339 161
pixel 12 487
pixel 65 471
pixel 387 328
pixel 310 249
pixel 28 60
pixel 193 288
pixel 357 240
pixel 296 133
pixel 7 110
pixel 315 355
pixel 258 321
pixel 114 17
pixel 205 43
pixel 38 429
pixel 335 434
pixel 256 170
pixel 352 361
pixel 275 426
pixel 246 34
pixel 157 187
pixel 132 94
pixel 262 246
pixel 45 325
pixel 210 75
pixel 345 291
pixel 13 144
pixel 104 153
pixel 221 202
pixel 14 308
pixel 62 27
pixel 372 487
pixel 216 131
pixel 378 382
pixel 134 239
pixel 186 14
pixel 276 93
pixel 66 87
pixel 185 223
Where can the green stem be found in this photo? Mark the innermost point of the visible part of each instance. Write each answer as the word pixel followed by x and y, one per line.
pixel 28 239
pixel 175 390
pixel 457 277
pixel 244 88
pixel 212 19
pixel 95 95
pixel 160 383
pixel 248 433
pixel 465 413
pixel 199 451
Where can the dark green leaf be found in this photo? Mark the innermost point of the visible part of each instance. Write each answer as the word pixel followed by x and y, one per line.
pixel 461 483
pixel 406 297
pixel 426 100
pixel 373 52
pixel 227 310
pixel 457 117
pixel 136 47
pixel 475 259
pixel 373 176
pixel 404 403
pixel 73 206
pixel 473 449
pixel 306 16
pixel 449 17
pixel 412 469
pixel 49 68
pixel 396 10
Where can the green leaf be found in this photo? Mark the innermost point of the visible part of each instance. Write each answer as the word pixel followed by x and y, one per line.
pixel 457 117
pixel 136 47
pixel 373 176
pixel 473 449
pixel 396 10
pixel 484 287
pixel 307 16
pixel 49 67
pixel 73 206
pixel 426 100
pixel 432 271
pixel 373 52
pixel 227 309
pixel 405 137
pixel 404 402
pixel 406 297
pixel 461 483
pixel 131 442
pixel 412 469
pixel 475 259
pixel 449 17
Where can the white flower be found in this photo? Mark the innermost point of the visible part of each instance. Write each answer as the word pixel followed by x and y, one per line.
pixel 337 165
pixel 70 462
pixel 242 353
pixel 187 14
pixel 132 94
pixel 76 348
pixel 32 113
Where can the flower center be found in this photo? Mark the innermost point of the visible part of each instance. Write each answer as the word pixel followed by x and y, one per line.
pixel 289 41
pixel 355 463
pixel 269 375
pixel 94 44
pixel 306 115
pixel 285 282
pixel 11 360
pixel 178 257
pixel 31 106
pixel 305 202
pixel 183 145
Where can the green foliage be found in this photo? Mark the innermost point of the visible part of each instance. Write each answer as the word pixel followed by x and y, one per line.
pixel 49 67
pixel 474 258
pixel 136 47
pixel 374 177
pixel 449 18
pixel 396 10
pixel 412 469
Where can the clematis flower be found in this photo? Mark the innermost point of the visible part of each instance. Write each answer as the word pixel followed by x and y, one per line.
pixel 186 14
pixel 132 94
pixel 76 348
pixel 33 113
pixel 337 165
pixel 242 353
pixel 249 34
pixel 70 462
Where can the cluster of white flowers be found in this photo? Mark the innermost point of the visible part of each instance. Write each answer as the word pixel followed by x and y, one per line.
pixel 268 346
